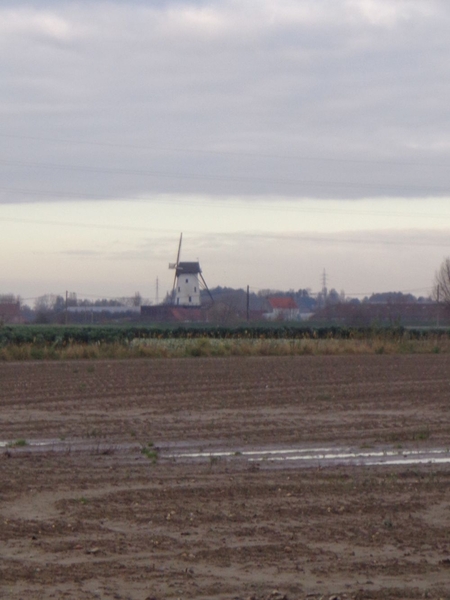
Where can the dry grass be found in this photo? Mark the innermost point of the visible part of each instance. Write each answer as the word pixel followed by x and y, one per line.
pixel 178 348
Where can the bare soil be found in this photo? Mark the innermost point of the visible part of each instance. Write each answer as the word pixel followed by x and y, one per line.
pixel 110 506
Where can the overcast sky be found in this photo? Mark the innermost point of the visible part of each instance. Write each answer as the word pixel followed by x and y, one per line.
pixel 282 137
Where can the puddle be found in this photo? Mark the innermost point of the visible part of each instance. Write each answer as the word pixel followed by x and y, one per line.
pixel 267 455
pixel 17 444
pixel 55 445
pixel 244 453
pixel 323 456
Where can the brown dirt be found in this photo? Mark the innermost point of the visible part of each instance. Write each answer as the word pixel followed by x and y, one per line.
pixel 91 516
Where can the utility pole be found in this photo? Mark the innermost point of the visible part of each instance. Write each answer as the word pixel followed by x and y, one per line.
pixel 324 283
pixel 248 303
pixel 157 291
pixel 324 287
pixel 437 307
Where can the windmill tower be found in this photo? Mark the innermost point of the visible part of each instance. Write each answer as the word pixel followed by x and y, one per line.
pixel 186 281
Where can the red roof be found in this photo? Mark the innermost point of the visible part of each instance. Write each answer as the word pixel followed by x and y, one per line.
pixel 283 303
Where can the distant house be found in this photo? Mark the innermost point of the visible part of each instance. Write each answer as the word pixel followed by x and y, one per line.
pixel 10 312
pixel 282 308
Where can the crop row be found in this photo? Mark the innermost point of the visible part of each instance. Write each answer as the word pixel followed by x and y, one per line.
pixel 64 336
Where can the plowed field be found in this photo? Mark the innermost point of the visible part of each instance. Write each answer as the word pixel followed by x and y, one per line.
pixel 324 476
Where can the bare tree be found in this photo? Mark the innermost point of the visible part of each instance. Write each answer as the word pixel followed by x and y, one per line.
pixel 8 298
pixel 137 299
pixel 47 307
pixel 441 289
pixel 224 313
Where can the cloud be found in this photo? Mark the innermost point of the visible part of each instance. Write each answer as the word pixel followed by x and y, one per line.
pixel 29 22
pixel 383 13
pixel 302 99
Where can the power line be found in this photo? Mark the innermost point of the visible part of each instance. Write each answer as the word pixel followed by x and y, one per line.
pixel 349 294
pixel 222 178
pixel 284 156
pixel 410 291
pixel 226 291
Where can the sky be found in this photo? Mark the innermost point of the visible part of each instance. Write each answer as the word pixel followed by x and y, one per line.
pixel 282 137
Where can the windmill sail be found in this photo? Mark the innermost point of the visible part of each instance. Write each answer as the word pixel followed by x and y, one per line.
pixel 175 266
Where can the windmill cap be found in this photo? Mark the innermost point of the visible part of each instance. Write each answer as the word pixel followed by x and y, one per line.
pixel 188 268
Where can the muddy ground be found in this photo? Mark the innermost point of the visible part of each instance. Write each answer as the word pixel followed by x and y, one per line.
pixel 135 479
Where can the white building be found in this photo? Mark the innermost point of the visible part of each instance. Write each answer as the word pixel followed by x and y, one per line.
pixel 282 308
pixel 187 288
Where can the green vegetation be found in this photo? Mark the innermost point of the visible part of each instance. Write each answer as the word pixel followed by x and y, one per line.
pixel 18 443
pixel 422 434
pixel 150 453
pixel 42 342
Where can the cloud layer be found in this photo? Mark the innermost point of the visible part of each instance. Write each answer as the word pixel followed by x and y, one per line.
pixel 320 99
pixel 256 127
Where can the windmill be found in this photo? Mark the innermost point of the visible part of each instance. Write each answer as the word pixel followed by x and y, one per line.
pixel 186 281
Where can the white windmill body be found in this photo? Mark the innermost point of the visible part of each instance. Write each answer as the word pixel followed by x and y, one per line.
pixel 186 283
